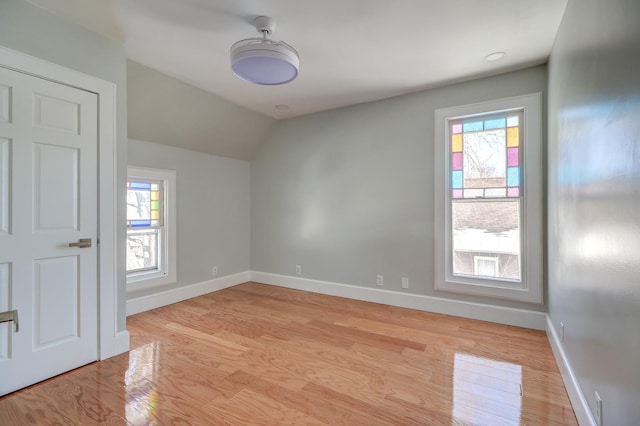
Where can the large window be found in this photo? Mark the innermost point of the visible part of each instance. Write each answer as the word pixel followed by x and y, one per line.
pixel 489 197
pixel 150 228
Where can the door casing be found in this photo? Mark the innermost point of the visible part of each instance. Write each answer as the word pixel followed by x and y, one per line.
pixel 111 341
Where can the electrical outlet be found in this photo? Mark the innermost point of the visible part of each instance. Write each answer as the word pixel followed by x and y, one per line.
pixel 298 269
pixel 405 283
pixel 598 410
pixel 380 280
pixel 214 271
pixel 561 331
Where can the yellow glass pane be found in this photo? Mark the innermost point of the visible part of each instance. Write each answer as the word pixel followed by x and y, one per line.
pixel 456 143
pixel 155 195
pixel 155 215
pixel 513 136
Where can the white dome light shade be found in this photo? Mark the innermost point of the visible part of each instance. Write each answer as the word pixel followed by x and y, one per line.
pixel 263 61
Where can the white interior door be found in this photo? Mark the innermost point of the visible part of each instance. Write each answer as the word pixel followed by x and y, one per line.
pixel 48 199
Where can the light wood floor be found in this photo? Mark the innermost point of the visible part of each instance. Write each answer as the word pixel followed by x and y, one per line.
pixel 262 355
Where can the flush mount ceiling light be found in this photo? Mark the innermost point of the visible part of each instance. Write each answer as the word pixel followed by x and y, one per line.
pixel 264 61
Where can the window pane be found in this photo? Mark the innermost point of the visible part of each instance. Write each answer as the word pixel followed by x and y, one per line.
pixel 138 204
pixel 472 127
pixel 496 123
pixel 473 193
pixel 144 204
pixel 142 250
pixel 484 159
pixel 513 192
pixel 456 179
pixel 513 136
pixel 513 176
pixel 489 229
pixel 495 192
pixel 513 157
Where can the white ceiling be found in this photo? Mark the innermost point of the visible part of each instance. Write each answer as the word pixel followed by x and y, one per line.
pixel 351 51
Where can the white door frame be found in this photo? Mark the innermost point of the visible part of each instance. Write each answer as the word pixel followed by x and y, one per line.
pixel 110 341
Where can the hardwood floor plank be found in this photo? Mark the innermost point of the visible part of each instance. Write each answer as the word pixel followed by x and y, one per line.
pixel 262 355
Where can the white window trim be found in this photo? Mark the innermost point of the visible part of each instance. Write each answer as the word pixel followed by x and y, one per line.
pixel 168 274
pixel 530 289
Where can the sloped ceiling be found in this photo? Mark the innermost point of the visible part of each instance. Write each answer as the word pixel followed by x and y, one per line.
pixel 351 51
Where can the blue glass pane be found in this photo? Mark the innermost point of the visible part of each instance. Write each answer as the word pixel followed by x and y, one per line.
pixel 513 176
pixel 496 123
pixel 456 179
pixel 139 223
pixel 141 185
pixel 472 127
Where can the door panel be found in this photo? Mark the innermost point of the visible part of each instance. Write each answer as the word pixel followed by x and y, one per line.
pixel 55 114
pixel 55 295
pixel 55 188
pixel 5 150
pixel 5 101
pixel 4 306
pixel 48 199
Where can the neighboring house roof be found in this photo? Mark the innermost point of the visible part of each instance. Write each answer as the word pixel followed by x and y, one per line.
pixel 486 227
pixel 491 216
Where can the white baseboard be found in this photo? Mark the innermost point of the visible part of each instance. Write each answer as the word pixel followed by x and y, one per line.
pixel 479 311
pixel 168 297
pixel 578 401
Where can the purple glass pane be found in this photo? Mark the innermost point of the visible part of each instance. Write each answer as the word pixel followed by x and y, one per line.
pixel 457 193
pixel 140 185
pixel 513 192
pixel 456 161
pixel 456 128
pixel 138 223
pixel 513 157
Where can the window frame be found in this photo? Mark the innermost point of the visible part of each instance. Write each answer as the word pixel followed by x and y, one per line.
pixel 530 288
pixel 167 273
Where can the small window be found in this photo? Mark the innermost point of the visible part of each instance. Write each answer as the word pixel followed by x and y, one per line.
pixel 484 266
pixel 150 228
pixel 489 198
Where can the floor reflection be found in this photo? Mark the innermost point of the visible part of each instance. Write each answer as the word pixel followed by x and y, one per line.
pixel 140 379
pixel 486 391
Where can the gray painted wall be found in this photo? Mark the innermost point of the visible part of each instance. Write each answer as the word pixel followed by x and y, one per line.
pixel 594 200
pixel 165 110
pixel 213 204
pixel 32 30
pixel 349 193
